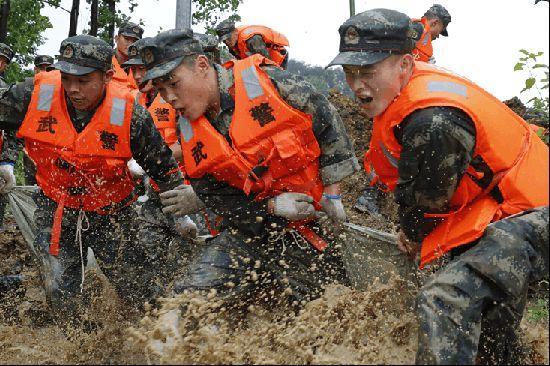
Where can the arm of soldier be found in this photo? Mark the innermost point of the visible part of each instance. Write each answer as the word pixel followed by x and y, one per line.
pixel 256 44
pixel 438 145
pixel 150 151
pixel 14 102
pixel 337 160
pixel 10 148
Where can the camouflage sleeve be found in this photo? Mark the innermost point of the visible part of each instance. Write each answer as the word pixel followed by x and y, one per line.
pixel 256 44
pixel 337 159
pixel 438 144
pixel 151 152
pixel 14 101
pixel 10 148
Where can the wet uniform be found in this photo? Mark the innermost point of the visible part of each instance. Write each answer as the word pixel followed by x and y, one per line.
pixel 251 242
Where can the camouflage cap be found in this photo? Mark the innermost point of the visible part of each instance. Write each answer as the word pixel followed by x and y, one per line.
pixel 42 60
pixel 83 54
pixel 208 42
pixel 6 51
pixel 134 56
pixel 224 29
pixel 166 51
pixel 442 13
pixel 130 29
pixel 372 36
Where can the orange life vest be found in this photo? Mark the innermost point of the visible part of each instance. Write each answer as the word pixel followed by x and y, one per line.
pixel 509 171
pixel 122 77
pixel 424 49
pixel 85 170
pixel 273 148
pixel 275 42
pixel 164 117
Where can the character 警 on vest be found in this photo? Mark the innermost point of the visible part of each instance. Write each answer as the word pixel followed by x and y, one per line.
pixel 248 40
pixel 81 137
pixel 471 181
pixel 257 161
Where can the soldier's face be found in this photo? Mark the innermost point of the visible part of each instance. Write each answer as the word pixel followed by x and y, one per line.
pixel 3 63
pixel 376 86
pixel 42 68
pixel 85 91
pixel 139 72
pixel 190 89
pixel 123 42
pixel 436 27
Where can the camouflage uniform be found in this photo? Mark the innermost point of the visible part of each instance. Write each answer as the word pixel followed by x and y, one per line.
pixel 129 263
pixel 9 137
pixel 253 250
pixel 472 306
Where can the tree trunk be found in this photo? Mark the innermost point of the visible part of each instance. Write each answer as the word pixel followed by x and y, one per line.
pixel 112 10
pixel 93 18
pixel 4 14
pixel 74 18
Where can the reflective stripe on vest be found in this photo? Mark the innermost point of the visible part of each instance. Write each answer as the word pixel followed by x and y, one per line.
pixel 45 97
pixel 447 86
pixel 186 129
pixel 117 111
pixel 252 83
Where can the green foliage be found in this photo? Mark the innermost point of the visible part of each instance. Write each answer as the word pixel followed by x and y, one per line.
pixel 25 28
pixel 210 12
pixel 537 79
pixel 538 312
pixel 19 171
pixel 105 17
pixel 322 79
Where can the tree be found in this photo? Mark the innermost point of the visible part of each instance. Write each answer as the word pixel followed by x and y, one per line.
pixel 4 15
pixel 211 12
pixel 25 26
pixel 74 18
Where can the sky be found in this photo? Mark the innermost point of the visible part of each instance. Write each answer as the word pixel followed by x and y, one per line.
pixel 485 36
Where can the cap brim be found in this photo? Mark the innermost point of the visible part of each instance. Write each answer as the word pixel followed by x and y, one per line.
pixel 43 63
pixel 359 58
pixel 132 62
pixel 162 69
pixel 73 69
pixel 224 37
pixel 131 35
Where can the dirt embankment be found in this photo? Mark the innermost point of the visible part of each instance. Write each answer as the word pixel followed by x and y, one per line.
pixel 343 326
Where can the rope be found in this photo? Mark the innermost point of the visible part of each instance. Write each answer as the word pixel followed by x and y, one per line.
pixel 78 239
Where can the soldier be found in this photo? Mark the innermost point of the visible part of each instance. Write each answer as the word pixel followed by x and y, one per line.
pixel 209 44
pixel 128 33
pixel 81 131
pixel 8 143
pixel 427 29
pixel 253 39
pixel 43 63
pixel 268 183
pixel 467 174
pixel 155 224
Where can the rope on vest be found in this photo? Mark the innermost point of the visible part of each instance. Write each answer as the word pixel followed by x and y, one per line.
pixel 78 239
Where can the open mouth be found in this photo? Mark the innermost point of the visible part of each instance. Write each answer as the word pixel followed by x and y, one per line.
pixel 365 100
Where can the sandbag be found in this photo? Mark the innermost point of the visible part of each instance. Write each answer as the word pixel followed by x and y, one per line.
pixel 23 206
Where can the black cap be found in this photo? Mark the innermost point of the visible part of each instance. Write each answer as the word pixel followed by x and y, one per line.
pixel 372 36
pixel 442 13
pixel 42 60
pixel 6 51
pixel 134 56
pixel 83 54
pixel 130 29
pixel 224 29
pixel 166 51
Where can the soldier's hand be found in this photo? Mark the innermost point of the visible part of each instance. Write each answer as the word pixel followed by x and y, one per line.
pixel 136 170
pixel 333 207
pixel 293 206
pixel 406 246
pixel 180 201
pixel 186 227
pixel 7 178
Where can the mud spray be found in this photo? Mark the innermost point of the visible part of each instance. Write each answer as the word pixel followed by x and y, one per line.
pixel 344 326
